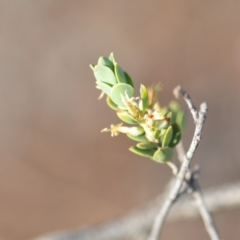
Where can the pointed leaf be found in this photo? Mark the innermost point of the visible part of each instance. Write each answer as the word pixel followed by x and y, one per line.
pixel 119 74
pixel 147 145
pixel 111 104
pixel 104 74
pixel 174 107
pixel 169 116
pixel 120 89
pixel 162 133
pixel 139 138
pixel 144 98
pixel 136 131
pixel 126 117
pixel 163 155
pixel 153 134
pixel 105 62
pixel 92 66
pixel 181 119
pixel 156 134
pixel 143 152
pixel 111 58
pixel 129 79
pixel 163 111
pixel 176 135
pixel 167 136
pixel 162 124
pixel 106 88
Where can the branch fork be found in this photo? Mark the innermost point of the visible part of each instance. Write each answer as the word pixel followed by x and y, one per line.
pixel 185 175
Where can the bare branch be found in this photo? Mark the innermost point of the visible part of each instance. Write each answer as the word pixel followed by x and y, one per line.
pixel 206 215
pixel 200 202
pixel 199 119
pixel 178 91
pixel 174 167
pixel 140 220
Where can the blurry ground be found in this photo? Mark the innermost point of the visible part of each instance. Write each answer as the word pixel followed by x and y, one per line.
pixel 56 170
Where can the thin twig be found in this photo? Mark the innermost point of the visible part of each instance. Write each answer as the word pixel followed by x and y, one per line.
pixel 205 213
pixel 200 202
pixel 174 167
pixel 178 91
pixel 199 119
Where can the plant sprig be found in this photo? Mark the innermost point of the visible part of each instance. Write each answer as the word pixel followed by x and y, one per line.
pixel 157 129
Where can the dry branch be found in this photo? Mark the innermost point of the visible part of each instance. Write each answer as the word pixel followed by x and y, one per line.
pixel 199 119
pixel 218 198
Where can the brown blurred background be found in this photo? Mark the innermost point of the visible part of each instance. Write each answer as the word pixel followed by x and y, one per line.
pixel 57 171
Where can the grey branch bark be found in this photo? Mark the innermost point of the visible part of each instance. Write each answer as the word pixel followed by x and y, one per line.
pixel 200 202
pixel 205 213
pixel 140 220
pixel 199 119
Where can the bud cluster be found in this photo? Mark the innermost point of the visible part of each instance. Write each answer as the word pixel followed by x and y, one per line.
pixel 156 129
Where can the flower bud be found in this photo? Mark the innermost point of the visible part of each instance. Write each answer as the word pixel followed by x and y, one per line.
pixel 144 103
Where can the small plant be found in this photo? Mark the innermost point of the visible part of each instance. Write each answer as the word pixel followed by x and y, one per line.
pixel 157 130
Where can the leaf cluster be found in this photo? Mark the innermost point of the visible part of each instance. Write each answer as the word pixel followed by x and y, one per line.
pixel 156 129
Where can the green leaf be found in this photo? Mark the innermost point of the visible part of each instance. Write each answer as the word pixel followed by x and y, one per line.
pixel 106 88
pixel 156 134
pixel 92 66
pixel 176 135
pixel 169 116
pixel 104 74
pixel 111 104
pixel 105 62
pixel 163 111
pixel 111 58
pixel 162 124
pixel 153 134
pixel 167 136
pixel 174 107
pixel 181 119
pixel 143 152
pixel 119 74
pixel 129 79
pixel 139 138
pixel 147 145
pixel 120 89
pixel 144 98
pixel 136 131
pixel 126 117
pixel 163 131
pixel 163 155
